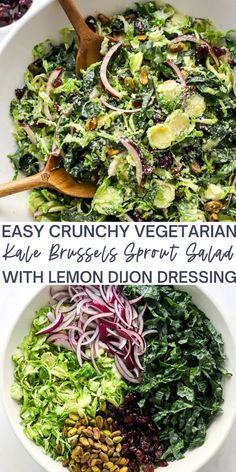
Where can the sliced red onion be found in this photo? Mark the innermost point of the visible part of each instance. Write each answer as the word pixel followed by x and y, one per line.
pixel 119 315
pixel 140 318
pixel 59 294
pixel 93 337
pixel 150 331
pixel 50 316
pixel 59 305
pixel 109 294
pixel 80 304
pixel 93 354
pixel 67 322
pixel 136 359
pixel 136 300
pixel 178 72
pixel 29 133
pixel 72 340
pixel 60 340
pixel 129 349
pixel 72 290
pixel 54 75
pixel 193 39
pixel 52 326
pixel 121 110
pixel 56 336
pixel 121 367
pixel 103 72
pixel 135 152
pixel 79 349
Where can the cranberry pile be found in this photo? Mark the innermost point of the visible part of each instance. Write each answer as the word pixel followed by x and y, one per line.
pixel 12 10
pixel 140 444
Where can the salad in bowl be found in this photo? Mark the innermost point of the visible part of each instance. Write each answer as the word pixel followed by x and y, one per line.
pixel 152 123
pixel 127 378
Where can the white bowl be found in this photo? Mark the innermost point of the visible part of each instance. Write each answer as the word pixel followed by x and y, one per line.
pixel 217 432
pixel 15 55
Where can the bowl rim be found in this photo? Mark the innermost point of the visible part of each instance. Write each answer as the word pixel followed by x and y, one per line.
pixel 19 433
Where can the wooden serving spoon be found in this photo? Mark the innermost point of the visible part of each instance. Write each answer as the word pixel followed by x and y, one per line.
pixel 57 179
pixel 89 42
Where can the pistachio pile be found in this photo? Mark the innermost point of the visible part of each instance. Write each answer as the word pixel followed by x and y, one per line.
pixel 96 445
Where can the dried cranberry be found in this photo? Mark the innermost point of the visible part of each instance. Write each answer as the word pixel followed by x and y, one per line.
pixel 137 104
pixel 19 93
pixel 130 398
pixel 202 52
pixel 162 464
pixel 148 468
pixel 138 27
pixel 5 17
pixel 139 456
pixel 57 82
pixel 133 467
pixel 23 9
pixel 219 51
pixel 165 160
pixel 115 425
pixel 158 452
pixel 152 428
pixel 92 23
pixel 143 420
pixel 133 449
pixel 144 443
pixel 140 436
pixel 122 410
pixel 25 3
pixel 18 15
pixel 129 419
pixel 137 216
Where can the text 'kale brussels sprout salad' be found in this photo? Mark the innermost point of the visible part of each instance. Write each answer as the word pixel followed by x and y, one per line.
pixel 119 378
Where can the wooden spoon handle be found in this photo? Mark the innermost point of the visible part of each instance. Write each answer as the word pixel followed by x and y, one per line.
pixel 75 17
pixel 27 183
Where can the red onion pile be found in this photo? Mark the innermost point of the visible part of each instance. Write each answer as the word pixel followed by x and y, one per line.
pixel 85 319
pixel 103 72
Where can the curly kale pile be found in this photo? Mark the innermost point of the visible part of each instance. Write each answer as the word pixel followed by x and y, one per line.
pixel 179 72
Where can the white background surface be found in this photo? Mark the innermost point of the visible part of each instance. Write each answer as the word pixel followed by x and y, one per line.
pixel 13 457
